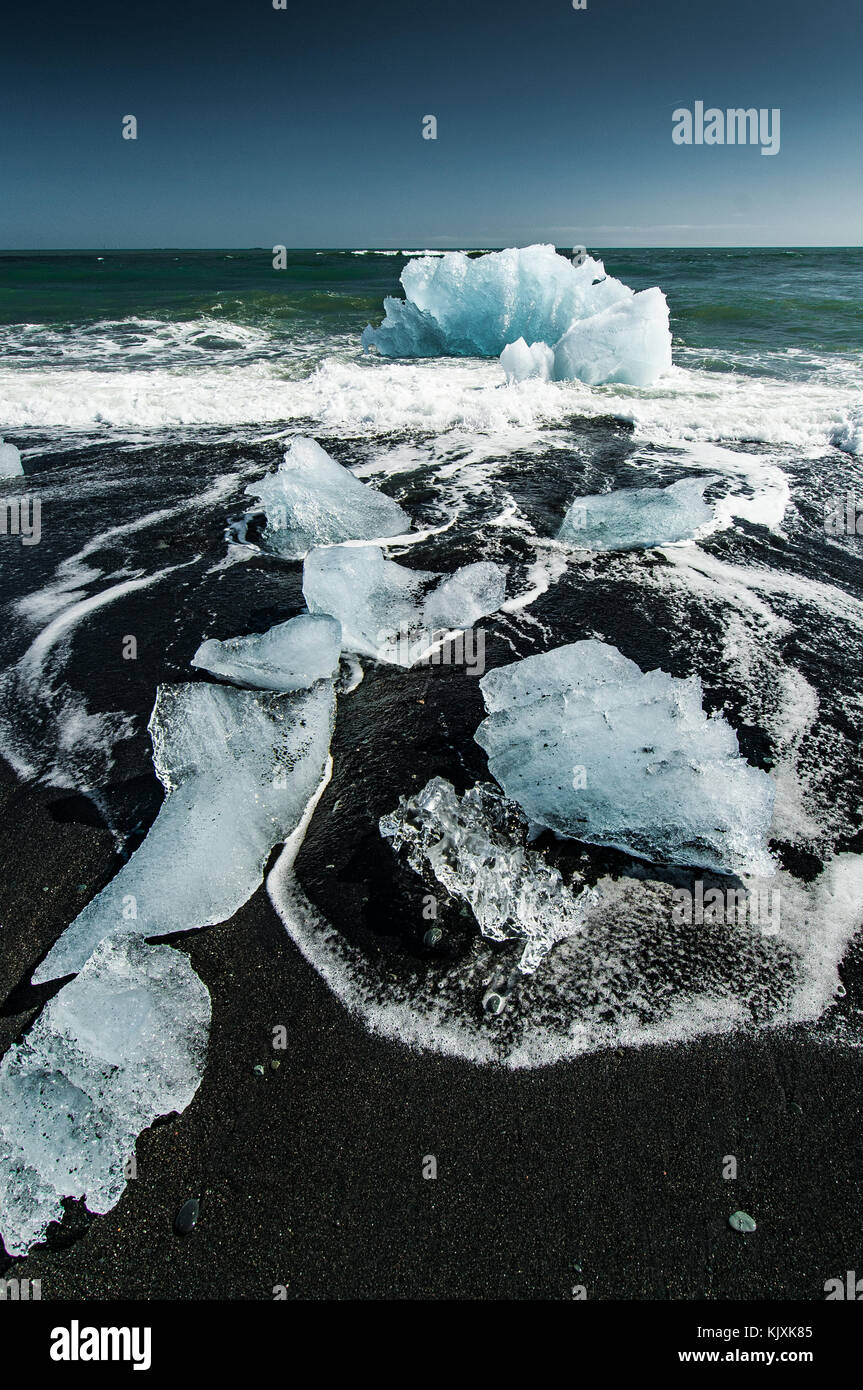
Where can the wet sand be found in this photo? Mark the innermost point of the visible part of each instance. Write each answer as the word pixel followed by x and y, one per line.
pixel 605 1172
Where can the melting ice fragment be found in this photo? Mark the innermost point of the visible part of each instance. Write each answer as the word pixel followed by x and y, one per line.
pixel 474 847
pixel 119 1045
pixel 312 500
pixel 392 613
pixel 636 518
pixel 598 751
pixel 10 460
pixel 239 768
pixel 290 656
pixel 498 304
pixel 521 362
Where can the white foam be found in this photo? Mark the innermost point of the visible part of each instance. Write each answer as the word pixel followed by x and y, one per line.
pixel 629 979
pixel 346 396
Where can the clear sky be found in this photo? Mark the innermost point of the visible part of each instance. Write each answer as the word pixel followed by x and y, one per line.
pixel 303 126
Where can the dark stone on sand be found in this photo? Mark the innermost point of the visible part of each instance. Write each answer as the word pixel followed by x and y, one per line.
pixel 187 1216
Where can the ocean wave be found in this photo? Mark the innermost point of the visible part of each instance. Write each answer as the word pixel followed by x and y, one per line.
pixel 345 395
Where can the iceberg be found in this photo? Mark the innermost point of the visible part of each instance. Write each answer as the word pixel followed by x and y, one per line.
pixel 10 461
pixel 312 500
pixel 596 750
pixel 391 613
pixel 290 656
pixel 539 312
pixel 239 768
pixel 637 518
pixel 118 1046
pixel 474 846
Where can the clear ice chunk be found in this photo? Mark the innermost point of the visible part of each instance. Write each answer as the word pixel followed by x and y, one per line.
pixel 290 656
pixel 119 1045
pixel 239 768
pixel 312 500
pixel 10 460
pixel 636 518
pixel 521 362
pixel 598 751
pixel 391 613
pixel 474 845
pixel 497 304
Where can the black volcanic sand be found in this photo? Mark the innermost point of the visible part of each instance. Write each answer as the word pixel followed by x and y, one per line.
pixel 606 1171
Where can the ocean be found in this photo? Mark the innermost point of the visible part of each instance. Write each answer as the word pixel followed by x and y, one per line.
pixel 146 390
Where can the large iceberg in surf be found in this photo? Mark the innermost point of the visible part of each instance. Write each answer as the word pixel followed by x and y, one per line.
pixel 636 518
pixel 312 500
pixel 392 613
pixel 118 1046
pixel 290 656
pixel 540 312
pixel 596 750
pixel 239 768
pixel 10 460
pixel 474 846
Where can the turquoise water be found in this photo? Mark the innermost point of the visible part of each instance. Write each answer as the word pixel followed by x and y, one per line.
pixel 721 300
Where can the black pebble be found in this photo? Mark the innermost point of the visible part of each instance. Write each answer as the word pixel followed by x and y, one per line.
pixel 187 1216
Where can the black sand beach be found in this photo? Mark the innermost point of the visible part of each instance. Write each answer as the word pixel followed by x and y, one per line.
pixel 604 1173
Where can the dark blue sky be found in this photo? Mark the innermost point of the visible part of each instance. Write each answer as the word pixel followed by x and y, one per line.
pixel 303 127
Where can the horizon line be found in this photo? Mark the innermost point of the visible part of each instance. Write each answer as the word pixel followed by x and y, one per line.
pixel 600 246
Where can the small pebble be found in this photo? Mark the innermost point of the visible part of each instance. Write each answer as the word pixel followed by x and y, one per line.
pixel 187 1216
pixel 494 1003
pixel 741 1221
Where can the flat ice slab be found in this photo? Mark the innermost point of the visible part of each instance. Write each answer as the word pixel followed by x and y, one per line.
pixel 637 518
pixel 392 613
pixel 239 768
pixel 474 845
pixel 312 500
pixel 596 750
pixel 543 315
pixel 121 1044
pixel 290 656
